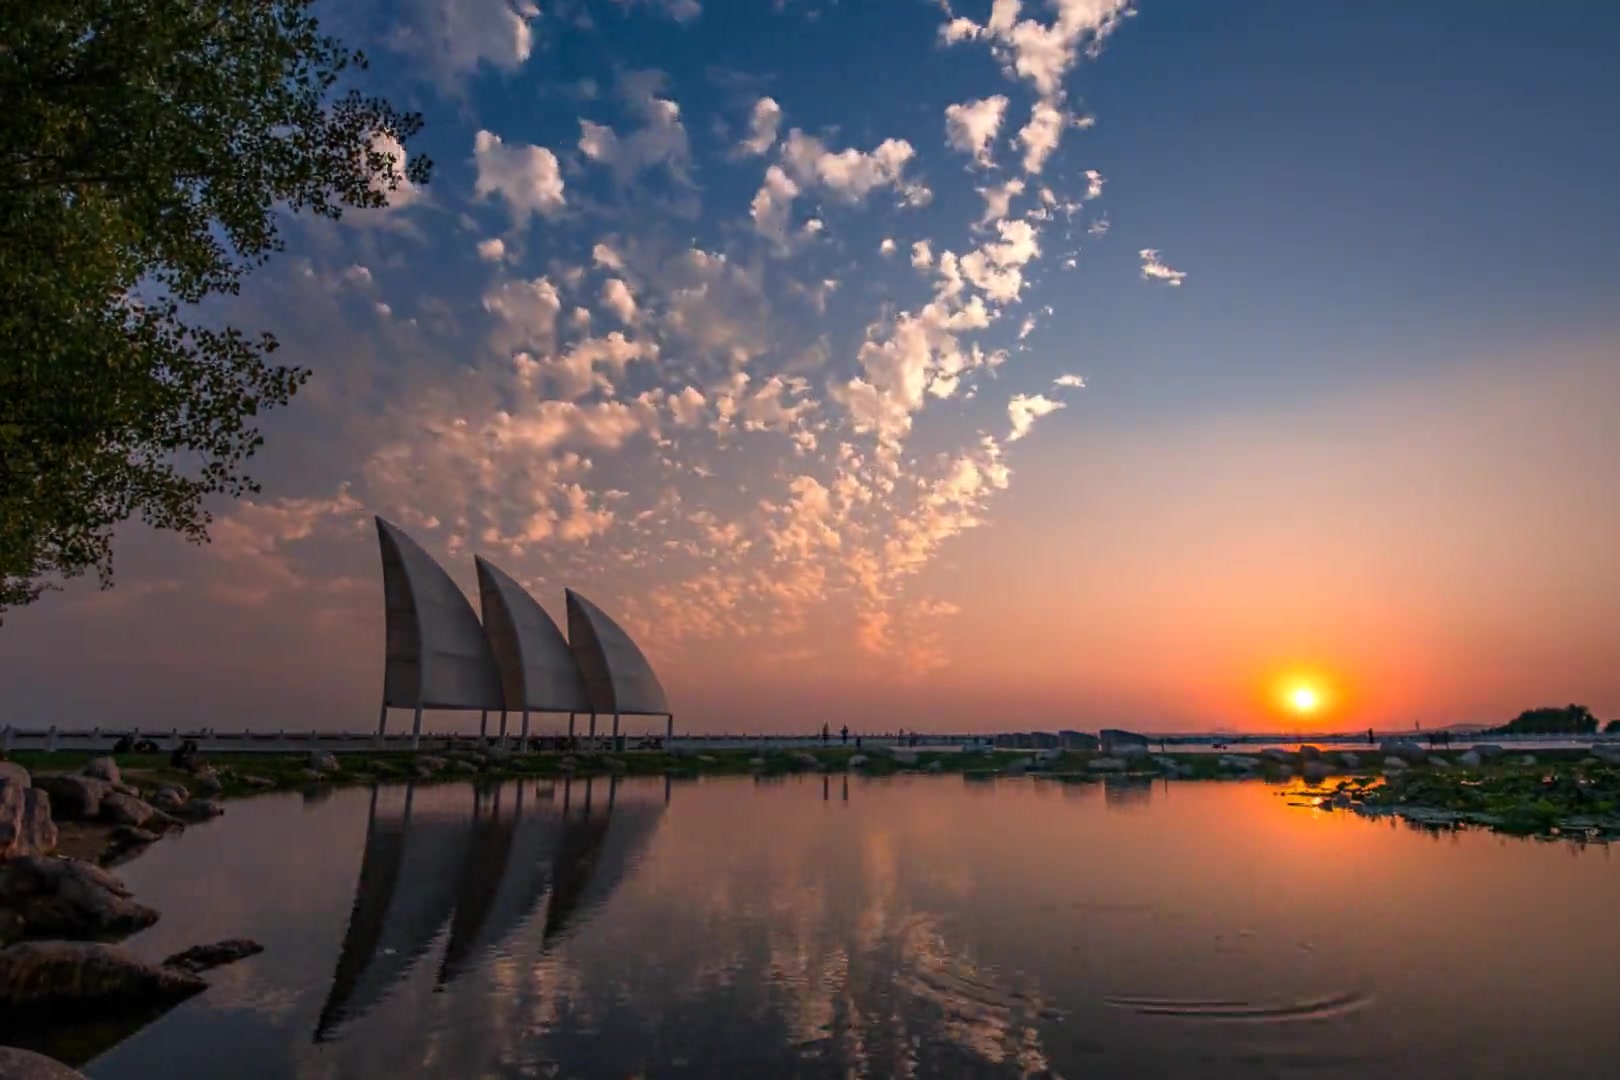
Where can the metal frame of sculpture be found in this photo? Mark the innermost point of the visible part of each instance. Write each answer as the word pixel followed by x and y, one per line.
pixel 538 669
pixel 437 654
pixel 618 677
pixel 440 655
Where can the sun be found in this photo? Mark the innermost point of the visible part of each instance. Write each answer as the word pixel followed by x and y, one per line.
pixel 1304 699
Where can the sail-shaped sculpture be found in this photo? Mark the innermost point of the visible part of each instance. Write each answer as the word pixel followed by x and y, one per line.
pixel 538 669
pixel 618 677
pixel 437 654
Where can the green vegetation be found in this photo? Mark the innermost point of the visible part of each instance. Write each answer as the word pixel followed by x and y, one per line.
pixel 1612 727
pixel 1551 720
pixel 147 149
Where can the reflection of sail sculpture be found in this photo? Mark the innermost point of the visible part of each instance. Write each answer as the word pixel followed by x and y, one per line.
pixel 485 873
pixel 406 891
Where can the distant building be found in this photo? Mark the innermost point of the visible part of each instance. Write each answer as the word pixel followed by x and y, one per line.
pixel 1112 739
pixel 1077 740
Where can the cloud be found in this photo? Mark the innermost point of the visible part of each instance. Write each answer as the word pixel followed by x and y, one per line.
pixel 1024 409
pixel 851 175
pixel 660 141
pixel 525 177
pixel 1069 380
pixel 1037 51
pixel 1094 184
pixel 886 247
pixel 460 36
pixel 762 125
pixel 1041 135
pixel 617 298
pixel 526 314
pixel 492 250
pixel 972 126
pixel 922 256
pixel 1155 270
pixel 773 204
pixel 998 200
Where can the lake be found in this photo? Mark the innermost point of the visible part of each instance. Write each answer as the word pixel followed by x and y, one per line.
pixel 835 926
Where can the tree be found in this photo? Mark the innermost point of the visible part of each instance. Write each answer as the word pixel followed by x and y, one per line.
pixel 1551 720
pixel 1612 727
pixel 146 149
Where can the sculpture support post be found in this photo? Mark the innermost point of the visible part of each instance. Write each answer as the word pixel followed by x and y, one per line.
pixel 592 737
pixel 503 729
pixel 483 725
pixel 615 743
pixel 669 734
pixel 382 721
pixel 416 729
pixel 523 739
pixel 570 730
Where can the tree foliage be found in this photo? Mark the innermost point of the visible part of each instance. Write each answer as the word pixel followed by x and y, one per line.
pixel 1552 720
pixel 147 148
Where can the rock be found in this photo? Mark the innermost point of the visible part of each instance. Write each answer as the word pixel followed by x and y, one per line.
pixel 803 760
pixel 1489 751
pixel 323 761
pixel 199 810
pixel 618 765
pixel 69 898
pixel 208 781
pixel 756 763
pixel 1349 760
pixel 1019 767
pixel 12 773
pixel 1527 759
pixel 1394 764
pixel 26 827
pixel 73 798
pixel 1340 800
pixel 1439 763
pixel 1608 755
pixel 1310 753
pixel 200 958
pixel 858 761
pixel 432 762
pixel 1106 765
pixel 170 798
pixel 703 759
pixel 103 768
pixel 129 836
pixel 258 783
pixel 1405 749
pixel 1469 759
pixel 1317 771
pixel 310 776
pixel 497 753
pixel 936 766
pixel 904 757
pixel 1238 762
pixel 568 764
pixel 1278 755
pixel 1132 750
pixel 59 975
pixel 16 1064
pixel 125 809
pixel 1168 764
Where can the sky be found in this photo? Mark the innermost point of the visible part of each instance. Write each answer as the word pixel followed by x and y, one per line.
pixel 965 368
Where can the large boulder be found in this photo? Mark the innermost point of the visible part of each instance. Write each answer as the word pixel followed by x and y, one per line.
pixel 68 898
pixel 1394 764
pixel 1277 754
pixel 18 1064
pixel 1470 759
pixel 1350 760
pixel 199 810
pixel 207 781
pixel 12 773
pixel 803 760
pixel 858 761
pixel 1405 749
pixel 170 797
pixel 323 761
pixel 26 827
pixel 1238 763
pixel 64 975
pixel 121 809
pixel 1310 753
pixel 1489 751
pixel 904 757
pixel 74 798
pixel 1317 771
pixel 103 768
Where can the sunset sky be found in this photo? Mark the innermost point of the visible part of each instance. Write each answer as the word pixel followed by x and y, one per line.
pixel 965 368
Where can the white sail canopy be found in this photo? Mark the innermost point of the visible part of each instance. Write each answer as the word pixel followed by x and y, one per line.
pixel 618 677
pixel 538 669
pixel 438 656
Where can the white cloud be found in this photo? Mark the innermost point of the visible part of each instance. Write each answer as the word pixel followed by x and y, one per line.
pixel 998 200
pixel 922 256
pixel 399 191
pixel 762 125
pixel 886 248
pixel 1069 380
pixel 660 141
pixel 617 298
pixel 526 312
pixel 1024 409
pixel 972 126
pixel 1038 51
pixel 604 255
pixel 851 175
pixel 1041 135
pixel 526 177
pixel 1094 184
pixel 687 406
pixel 997 267
pixel 773 204
pixel 459 36
pixel 492 250
pixel 1155 270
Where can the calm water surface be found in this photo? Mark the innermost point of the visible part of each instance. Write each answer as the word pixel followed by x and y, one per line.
pixel 905 927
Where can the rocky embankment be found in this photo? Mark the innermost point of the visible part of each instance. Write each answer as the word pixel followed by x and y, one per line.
pixel 59 914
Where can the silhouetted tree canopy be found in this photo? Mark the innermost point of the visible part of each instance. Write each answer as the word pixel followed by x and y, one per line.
pixel 1612 728
pixel 146 148
pixel 1552 720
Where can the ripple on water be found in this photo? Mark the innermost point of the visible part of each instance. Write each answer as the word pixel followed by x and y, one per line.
pixel 1319 1008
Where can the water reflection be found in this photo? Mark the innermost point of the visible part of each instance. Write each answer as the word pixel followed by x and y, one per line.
pixel 473 874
